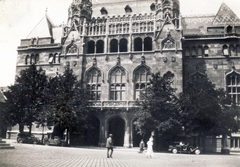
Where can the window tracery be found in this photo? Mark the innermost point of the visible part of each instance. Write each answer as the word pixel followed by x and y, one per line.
pixel 94 79
pixel 233 86
pixel 142 80
pixel 118 84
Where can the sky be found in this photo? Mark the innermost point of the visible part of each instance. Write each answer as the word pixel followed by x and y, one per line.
pixel 19 17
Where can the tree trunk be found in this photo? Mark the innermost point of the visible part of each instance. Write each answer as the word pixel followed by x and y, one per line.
pixel 224 143
pixel 21 127
pixel 30 128
pixel 203 139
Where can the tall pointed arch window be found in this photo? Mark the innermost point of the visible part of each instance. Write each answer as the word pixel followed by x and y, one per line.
pixel 118 84
pixel 94 79
pixel 142 80
pixel 233 86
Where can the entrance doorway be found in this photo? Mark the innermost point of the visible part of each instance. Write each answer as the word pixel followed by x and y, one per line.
pixel 116 127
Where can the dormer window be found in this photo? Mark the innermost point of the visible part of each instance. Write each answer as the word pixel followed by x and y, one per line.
pixel 128 9
pixel 153 7
pixel 103 11
pixel 229 29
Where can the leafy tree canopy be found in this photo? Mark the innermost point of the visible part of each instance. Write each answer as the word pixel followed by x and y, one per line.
pixel 26 97
pixel 68 100
pixel 159 109
pixel 205 109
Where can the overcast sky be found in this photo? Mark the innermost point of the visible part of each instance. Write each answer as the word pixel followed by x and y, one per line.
pixel 19 17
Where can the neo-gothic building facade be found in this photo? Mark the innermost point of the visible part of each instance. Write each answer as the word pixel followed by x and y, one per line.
pixel 115 50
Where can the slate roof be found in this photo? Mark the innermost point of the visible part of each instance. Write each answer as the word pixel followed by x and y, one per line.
pixel 199 25
pixel 42 29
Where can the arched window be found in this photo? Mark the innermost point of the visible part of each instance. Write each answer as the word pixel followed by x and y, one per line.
pixel 142 82
pixel 100 46
pixel 187 52
pixel 137 44
pixel 206 51
pixel 91 46
pixel 27 59
pixel 94 79
pixel 123 45
pixel 225 50
pixel 51 58
pixel 200 51
pixel 193 51
pixel 233 86
pixel 232 50
pixel 117 84
pixel 238 50
pixel 36 58
pixel 128 9
pixel 148 44
pixel 103 11
pixel 114 45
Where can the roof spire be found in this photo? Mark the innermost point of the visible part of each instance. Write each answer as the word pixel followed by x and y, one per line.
pixel 46 11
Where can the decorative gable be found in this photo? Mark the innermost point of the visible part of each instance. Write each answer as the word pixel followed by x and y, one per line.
pixel 226 16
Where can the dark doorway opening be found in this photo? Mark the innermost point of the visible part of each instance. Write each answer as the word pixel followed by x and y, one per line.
pixel 117 128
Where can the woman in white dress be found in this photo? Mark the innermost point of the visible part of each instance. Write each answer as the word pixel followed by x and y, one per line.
pixel 149 148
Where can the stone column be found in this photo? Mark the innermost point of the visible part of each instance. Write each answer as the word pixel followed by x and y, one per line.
pixel 102 130
pixel 127 142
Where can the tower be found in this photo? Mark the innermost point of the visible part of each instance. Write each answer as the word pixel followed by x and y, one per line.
pixel 78 11
pixel 167 10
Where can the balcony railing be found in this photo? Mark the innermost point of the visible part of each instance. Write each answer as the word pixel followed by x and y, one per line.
pixel 113 104
pixel 40 46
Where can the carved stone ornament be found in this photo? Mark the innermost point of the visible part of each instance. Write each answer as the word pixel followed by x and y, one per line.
pixel 118 60
pixel 215 66
pixel 173 59
pixel 94 61
pixel 74 63
pixel 165 59
pixel 169 42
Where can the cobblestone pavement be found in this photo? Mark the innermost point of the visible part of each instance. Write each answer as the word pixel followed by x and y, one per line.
pixel 28 155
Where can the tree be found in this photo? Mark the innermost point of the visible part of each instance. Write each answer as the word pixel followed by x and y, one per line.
pixel 206 110
pixel 26 97
pixel 68 102
pixel 159 107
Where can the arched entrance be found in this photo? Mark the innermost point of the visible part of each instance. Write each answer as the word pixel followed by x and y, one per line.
pixel 92 131
pixel 116 127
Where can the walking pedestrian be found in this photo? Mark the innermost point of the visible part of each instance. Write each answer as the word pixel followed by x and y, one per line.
pixel 141 146
pixel 149 148
pixel 109 145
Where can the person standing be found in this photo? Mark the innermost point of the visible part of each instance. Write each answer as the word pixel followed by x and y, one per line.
pixel 141 145
pixel 109 145
pixel 149 148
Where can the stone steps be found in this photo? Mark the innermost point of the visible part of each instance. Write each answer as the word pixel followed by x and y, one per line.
pixel 4 145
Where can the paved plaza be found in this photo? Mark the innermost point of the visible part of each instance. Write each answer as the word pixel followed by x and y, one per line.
pixel 28 155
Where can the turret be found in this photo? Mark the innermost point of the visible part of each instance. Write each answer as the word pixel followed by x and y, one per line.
pixel 167 9
pixel 78 11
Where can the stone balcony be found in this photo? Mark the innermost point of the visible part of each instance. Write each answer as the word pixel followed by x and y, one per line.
pixel 54 45
pixel 113 104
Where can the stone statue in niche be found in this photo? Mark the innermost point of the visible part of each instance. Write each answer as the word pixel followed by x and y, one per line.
pixel 72 49
pixel 169 42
